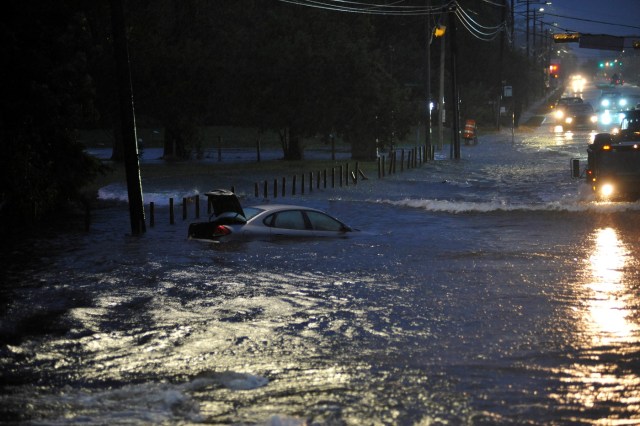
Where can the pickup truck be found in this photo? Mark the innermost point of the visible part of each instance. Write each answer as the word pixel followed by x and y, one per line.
pixel 613 163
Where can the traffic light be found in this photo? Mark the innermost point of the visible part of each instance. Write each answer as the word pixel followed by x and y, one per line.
pixel 566 38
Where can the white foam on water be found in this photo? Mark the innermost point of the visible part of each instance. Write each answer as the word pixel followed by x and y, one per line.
pixel 156 403
pixel 458 206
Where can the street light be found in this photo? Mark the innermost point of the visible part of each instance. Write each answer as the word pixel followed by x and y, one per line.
pixel 541 10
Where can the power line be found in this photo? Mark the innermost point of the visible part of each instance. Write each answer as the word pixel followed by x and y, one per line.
pixel 593 21
pixel 397 8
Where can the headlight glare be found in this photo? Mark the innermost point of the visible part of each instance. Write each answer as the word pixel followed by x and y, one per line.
pixel 606 190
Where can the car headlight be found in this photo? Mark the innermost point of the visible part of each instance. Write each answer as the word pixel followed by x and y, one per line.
pixel 559 114
pixel 605 102
pixel 605 118
pixel 622 102
pixel 594 118
pixel 568 120
pixel 607 190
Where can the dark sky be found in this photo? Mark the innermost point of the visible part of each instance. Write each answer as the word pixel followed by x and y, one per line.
pixel 613 17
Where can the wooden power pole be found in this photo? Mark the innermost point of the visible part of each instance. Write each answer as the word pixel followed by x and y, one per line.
pixel 128 120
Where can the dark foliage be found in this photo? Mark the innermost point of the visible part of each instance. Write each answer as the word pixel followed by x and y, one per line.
pixel 255 63
pixel 46 95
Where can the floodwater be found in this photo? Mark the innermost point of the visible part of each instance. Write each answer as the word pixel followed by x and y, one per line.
pixel 489 290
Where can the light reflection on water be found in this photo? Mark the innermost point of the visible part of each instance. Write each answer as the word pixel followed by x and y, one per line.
pixel 602 381
pixel 609 312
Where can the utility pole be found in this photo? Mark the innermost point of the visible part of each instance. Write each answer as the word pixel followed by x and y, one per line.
pixel 428 87
pixel 502 43
pixel 455 128
pixel 128 119
pixel 513 23
pixel 527 32
pixel 441 109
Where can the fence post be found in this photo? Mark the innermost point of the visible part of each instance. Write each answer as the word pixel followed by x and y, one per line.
pixel 256 189
pixel 171 215
pixel 152 214
pixel 355 173
pixel 333 176
pixel 310 182
pixel 346 175
pixel 197 199
pixel 395 160
pixel 340 175
pixel 275 188
pixel 293 185
pixel 302 183
pixel 185 200
pixel 219 148
pixel 265 190
pixel 284 186
pixel 324 178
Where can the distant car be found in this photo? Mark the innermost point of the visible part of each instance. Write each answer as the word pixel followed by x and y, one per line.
pixel 616 80
pixel 569 100
pixel 611 106
pixel 577 83
pixel 230 222
pixel 580 115
pixel 612 101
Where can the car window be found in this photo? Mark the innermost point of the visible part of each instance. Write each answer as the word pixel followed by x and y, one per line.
pixel 250 212
pixel 290 219
pixel 322 222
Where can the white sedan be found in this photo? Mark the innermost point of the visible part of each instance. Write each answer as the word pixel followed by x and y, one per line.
pixel 268 221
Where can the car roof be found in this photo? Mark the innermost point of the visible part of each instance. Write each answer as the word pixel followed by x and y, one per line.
pixel 570 100
pixel 279 207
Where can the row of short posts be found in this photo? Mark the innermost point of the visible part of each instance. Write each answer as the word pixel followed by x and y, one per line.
pixel 338 176
pixel 410 159
pixel 335 177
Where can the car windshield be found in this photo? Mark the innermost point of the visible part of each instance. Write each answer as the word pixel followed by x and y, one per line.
pixel 580 108
pixel 570 101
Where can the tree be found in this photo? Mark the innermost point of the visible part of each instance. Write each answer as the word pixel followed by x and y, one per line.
pixel 47 95
pixel 306 72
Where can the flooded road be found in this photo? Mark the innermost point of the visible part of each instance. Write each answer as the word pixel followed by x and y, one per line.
pixel 489 290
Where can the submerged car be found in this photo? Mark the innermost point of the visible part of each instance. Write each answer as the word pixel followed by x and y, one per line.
pixel 231 222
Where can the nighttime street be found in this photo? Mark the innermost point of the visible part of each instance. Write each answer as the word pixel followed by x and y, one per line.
pixel 490 283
